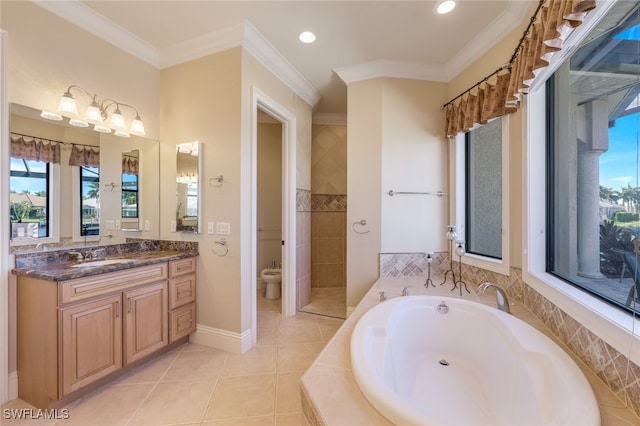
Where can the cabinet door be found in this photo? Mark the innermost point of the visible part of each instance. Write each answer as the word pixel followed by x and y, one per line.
pixel 146 320
pixel 91 341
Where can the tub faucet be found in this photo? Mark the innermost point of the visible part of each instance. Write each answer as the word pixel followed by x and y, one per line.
pixel 501 296
pixel 405 291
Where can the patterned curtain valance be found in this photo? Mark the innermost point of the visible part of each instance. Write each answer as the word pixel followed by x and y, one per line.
pixel 84 156
pixel 34 149
pixel 130 165
pixel 542 38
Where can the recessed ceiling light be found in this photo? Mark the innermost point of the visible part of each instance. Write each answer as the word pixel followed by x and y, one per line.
pixel 445 6
pixel 307 37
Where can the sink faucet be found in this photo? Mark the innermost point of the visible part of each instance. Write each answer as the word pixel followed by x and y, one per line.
pixel 501 296
pixel 78 255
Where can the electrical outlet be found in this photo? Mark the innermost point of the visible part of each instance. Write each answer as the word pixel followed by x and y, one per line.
pixel 223 228
pixel 118 225
pixel 147 225
pixel 173 226
pixel 109 224
pixel 210 229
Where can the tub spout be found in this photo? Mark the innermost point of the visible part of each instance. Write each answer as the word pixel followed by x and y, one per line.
pixel 501 296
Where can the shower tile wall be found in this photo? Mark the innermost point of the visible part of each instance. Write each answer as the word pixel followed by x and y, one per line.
pixel 328 205
pixel 303 247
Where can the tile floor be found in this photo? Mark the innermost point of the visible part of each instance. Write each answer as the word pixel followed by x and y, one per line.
pixel 328 301
pixel 196 385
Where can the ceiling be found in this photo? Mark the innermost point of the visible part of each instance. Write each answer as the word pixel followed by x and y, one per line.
pixel 355 39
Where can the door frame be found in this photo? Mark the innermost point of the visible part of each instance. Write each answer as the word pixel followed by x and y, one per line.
pixel 262 101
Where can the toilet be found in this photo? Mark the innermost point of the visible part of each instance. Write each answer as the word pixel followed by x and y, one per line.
pixel 272 278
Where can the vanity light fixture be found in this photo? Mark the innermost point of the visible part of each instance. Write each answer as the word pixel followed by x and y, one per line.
pixel 445 6
pixel 96 114
pixel 307 37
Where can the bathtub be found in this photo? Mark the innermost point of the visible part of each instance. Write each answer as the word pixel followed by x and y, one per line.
pixel 473 365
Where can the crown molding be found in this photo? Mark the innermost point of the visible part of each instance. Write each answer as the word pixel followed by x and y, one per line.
pixel 394 69
pixel 263 51
pixel 503 24
pixel 330 118
pixel 205 45
pixel 91 21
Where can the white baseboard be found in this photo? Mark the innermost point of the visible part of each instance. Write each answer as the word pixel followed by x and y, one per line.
pixel 350 310
pixel 228 341
pixel 13 385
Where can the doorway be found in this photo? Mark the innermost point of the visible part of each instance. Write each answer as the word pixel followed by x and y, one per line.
pixel 263 105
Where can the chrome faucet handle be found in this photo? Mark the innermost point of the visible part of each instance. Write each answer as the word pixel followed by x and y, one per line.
pixel 78 256
pixel 383 296
pixel 405 291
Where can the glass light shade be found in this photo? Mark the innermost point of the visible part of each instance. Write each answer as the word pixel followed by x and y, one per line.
pixel 451 233
pixel 117 121
pixel 93 113
pixel 68 104
pixel 137 128
pixel 122 133
pixel 460 250
pixel 445 6
pixel 101 129
pixel 78 123
pixel 429 258
pixel 51 115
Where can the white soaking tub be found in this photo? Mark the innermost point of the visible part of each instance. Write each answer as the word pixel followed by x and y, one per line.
pixel 473 365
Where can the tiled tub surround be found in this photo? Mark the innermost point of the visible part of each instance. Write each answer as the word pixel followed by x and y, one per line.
pixel 330 395
pixel 56 264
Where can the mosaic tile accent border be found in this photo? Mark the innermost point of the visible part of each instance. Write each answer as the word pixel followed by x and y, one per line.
pixel 410 264
pixel 612 367
pixel 303 200
pixel 328 202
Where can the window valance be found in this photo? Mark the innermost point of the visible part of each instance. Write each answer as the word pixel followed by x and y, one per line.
pixel 501 92
pixel 85 156
pixel 130 165
pixel 35 150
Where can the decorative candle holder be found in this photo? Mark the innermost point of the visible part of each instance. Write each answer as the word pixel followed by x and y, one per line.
pixel 429 280
pixel 451 235
pixel 460 252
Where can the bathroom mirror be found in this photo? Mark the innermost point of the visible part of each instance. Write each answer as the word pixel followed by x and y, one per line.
pixel 82 203
pixel 188 199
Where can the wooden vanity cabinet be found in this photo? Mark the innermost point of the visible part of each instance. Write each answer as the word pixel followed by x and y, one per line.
pixel 77 334
pixel 182 298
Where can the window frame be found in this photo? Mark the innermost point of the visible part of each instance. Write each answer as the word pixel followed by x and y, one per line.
pixel 458 199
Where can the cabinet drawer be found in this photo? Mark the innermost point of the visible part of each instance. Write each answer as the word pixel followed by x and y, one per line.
pixel 182 291
pixel 182 321
pixel 96 285
pixel 182 267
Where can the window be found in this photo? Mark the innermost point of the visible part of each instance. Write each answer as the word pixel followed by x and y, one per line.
pixel 29 203
pixel 483 195
pixel 593 168
pixel 90 196
pixel 129 195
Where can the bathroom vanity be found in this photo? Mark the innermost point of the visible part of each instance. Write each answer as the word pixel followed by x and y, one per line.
pixel 80 325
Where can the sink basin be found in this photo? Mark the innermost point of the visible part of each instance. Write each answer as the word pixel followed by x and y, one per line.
pixel 96 263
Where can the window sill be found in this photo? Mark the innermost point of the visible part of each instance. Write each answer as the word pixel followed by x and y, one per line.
pixel 499 266
pixel 617 328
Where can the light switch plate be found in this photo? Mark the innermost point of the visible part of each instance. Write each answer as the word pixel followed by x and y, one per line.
pixel 210 228
pixel 173 226
pixel 118 225
pixel 109 224
pixel 223 228
pixel 147 225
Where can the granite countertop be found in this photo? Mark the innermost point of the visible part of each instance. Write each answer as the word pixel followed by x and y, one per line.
pixel 58 266
pixel 331 396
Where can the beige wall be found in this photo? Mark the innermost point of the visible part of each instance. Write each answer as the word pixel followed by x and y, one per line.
pixel 269 195
pixel 395 133
pixel 46 55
